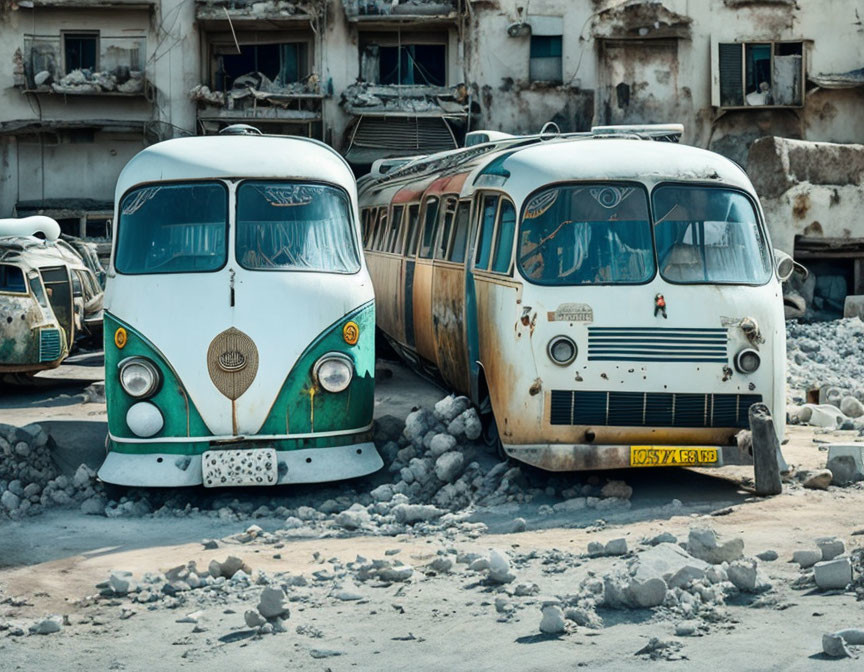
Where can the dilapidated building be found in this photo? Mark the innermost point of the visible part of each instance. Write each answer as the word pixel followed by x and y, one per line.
pixel 87 84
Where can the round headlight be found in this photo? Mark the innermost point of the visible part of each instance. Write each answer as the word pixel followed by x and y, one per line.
pixel 334 372
pixel 144 419
pixel 747 361
pixel 139 377
pixel 561 350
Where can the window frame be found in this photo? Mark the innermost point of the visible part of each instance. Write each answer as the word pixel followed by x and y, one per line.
pixel 466 202
pixel 497 239
pixel 412 236
pixel 560 58
pixel 576 183
pixel 335 187
pixel 9 292
pixel 227 187
pixel 77 33
pixel 422 251
pixel 772 262
pixel 478 229
pixel 716 87
pixel 395 233
pixel 450 204
pixel 217 45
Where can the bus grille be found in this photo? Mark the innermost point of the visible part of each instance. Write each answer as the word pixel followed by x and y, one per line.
pixel 651 409
pixel 649 344
pixel 49 345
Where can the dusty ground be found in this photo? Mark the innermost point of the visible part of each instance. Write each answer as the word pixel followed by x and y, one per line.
pixel 433 622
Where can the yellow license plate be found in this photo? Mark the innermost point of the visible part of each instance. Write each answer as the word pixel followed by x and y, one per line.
pixel 671 456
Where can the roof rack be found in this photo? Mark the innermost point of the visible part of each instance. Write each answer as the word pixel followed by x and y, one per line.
pixel 455 157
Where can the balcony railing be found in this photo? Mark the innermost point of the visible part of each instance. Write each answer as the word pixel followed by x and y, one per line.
pixel 117 70
pixel 372 10
pixel 252 10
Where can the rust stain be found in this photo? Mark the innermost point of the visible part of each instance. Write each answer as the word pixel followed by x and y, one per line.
pixel 312 409
pixel 535 388
pixel 801 206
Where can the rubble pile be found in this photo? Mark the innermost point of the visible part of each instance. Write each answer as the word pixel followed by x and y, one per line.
pixel 255 88
pixel 30 481
pixel 828 356
pixel 435 472
pixel 120 80
pixel 690 582
pixel 363 97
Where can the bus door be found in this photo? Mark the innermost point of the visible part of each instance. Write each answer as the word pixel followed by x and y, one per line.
pixel 59 290
pixel 412 235
pixel 448 293
pixel 424 340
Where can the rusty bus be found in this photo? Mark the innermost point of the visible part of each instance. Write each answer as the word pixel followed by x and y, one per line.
pixel 606 301
pixel 49 297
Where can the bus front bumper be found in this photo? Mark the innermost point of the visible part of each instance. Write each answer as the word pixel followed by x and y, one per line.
pixel 586 457
pixel 307 465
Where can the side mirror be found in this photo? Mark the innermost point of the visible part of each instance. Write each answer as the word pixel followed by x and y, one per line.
pixel 785 265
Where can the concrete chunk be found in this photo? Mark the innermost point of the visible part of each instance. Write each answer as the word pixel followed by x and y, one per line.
pixel 703 543
pixel 806 558
pixel 831 547
pixel 833 574
pixel 846 463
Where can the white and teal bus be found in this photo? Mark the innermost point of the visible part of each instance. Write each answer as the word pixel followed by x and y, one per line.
pixel 239 317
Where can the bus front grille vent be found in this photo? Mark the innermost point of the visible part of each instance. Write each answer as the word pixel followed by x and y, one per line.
pixel 50 345
pixel 650 409
pixel 656 344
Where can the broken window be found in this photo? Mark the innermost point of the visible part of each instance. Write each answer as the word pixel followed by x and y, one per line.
pixel 404 60
pixel 545 64
pixel 460 236
pixel 395 230
pixel 430 228
pixel 282 64
pixel 80 50
pixel 752 74
pixel 443 248
pixel 411 236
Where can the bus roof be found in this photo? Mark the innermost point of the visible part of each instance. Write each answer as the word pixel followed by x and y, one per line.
pixel 244 156
pixel 524 169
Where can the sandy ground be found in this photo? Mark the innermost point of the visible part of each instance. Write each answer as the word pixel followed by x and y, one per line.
pixel 433 622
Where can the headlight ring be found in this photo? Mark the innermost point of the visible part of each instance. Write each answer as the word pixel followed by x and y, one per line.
pixel 139 377
pixel 562 350
pixel 334 372
pixel 747 361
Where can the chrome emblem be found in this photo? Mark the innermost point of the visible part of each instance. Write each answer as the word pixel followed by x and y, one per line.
pixel 232 361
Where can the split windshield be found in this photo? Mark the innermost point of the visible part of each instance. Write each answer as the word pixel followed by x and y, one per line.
pixel 183 228
pixel 283 226
pixel 173 228
pixel 602 234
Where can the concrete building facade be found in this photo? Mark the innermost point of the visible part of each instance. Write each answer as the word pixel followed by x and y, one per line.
pixel 87 84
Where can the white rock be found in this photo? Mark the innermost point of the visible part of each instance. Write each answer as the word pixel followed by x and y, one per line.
pixel 851 407
pixel 747 577
pixel 449 466
pixel 473 426
pixel 253 618
pixel 408 514
pixel 617 489
pixel 441 443
pixel 833 574
pixel 806 558
pixel 499 567
pixel 703 543
pixel 383 493
pixel 834 646
pixel 272 603
pixel 10 500
pixel 831 547
pixel 47 626
pixel 397 573
pixel 552 622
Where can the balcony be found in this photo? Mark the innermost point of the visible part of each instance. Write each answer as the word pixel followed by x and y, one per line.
pixel 386 12
pixel 82 63
pixel 255 99
pixel 247 12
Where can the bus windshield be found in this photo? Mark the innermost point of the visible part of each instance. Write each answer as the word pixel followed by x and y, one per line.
pixel 708 235
pixel 587 234
pixel 173 228
pixel 285 226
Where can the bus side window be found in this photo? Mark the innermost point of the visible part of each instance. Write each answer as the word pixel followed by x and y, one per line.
pixel 381 230
pixel 371 228
pixel 430 228
pixel 411 235
pixel 504 240
pixel 487 229
pixel 364 219
pixel 449 211
pixel 395 229
pixel 460 236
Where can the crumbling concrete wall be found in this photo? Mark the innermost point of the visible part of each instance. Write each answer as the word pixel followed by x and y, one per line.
pixel 812 189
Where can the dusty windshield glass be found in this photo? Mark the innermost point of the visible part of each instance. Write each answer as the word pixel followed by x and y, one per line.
pixel 177 228
pixel 288 226
pixel 708 235
pixel 587 234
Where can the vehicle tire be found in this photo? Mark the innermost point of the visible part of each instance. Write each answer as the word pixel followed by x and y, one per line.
pixel 491 437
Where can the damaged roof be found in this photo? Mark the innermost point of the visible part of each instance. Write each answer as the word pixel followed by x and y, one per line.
pixel 640 19
pixel 843 80
pixel 399 100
